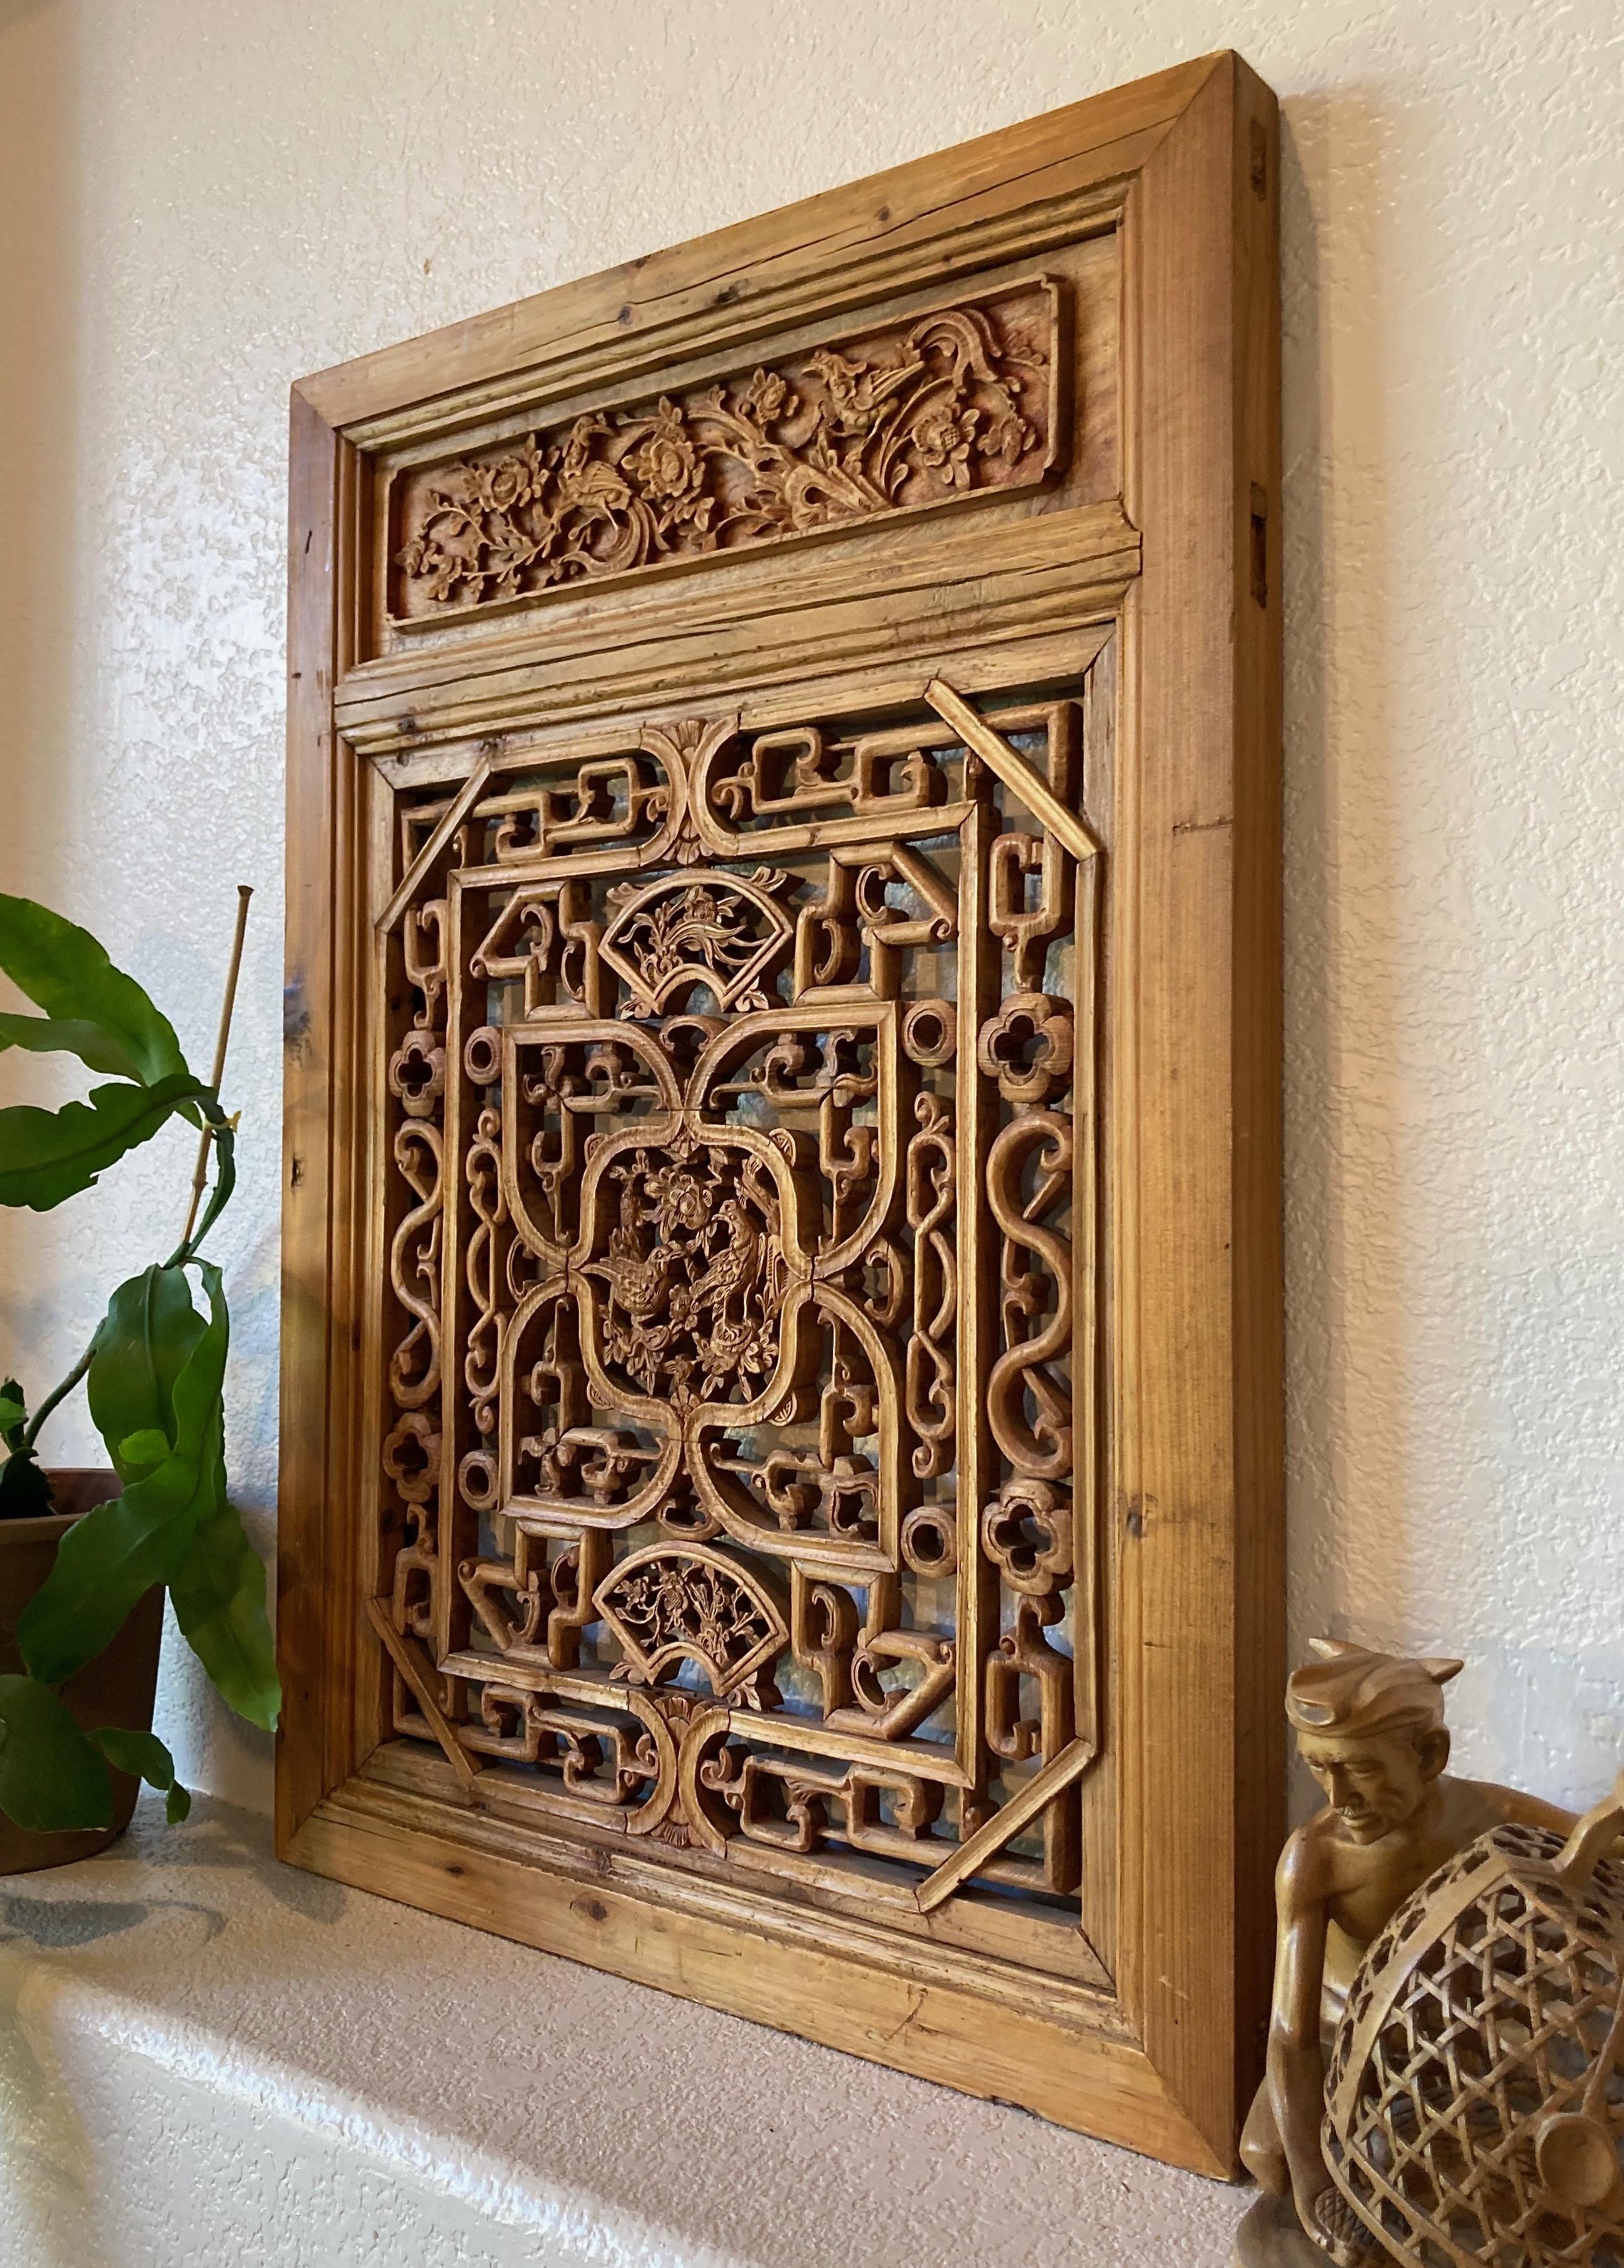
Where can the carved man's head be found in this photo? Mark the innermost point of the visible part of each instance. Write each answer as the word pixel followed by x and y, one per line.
pixel 1370 1727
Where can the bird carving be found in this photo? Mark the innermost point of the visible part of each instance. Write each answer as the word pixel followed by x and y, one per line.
pixel 733 1261
pixel 637 1283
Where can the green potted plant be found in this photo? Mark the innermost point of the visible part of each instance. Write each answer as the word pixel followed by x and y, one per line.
pixel 85 1557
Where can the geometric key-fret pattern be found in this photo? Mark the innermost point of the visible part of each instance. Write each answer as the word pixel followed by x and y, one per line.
pixel 739 1447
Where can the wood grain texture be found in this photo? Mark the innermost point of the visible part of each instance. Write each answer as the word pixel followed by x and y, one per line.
pixel 1202 1509
pixel 312 1680
pixel 891 1585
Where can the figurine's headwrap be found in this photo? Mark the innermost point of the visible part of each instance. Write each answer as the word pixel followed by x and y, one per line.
pixel 1351 1692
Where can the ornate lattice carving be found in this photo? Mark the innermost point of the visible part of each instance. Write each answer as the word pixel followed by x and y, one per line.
pixel 739 1445
pixel 945 405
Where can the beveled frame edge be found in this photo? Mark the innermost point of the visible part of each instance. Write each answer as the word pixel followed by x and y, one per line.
pixel 1199 1515
pixel 1205 1411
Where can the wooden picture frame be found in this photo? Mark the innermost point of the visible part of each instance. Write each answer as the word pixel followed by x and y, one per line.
pixel 957 488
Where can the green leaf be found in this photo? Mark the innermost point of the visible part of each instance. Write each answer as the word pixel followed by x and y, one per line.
pixel 71 1036
pixel 13 1411
pixel 141 1347
pixel 138 1452
pixel 64 971
pixel 111 1557
pixel 51 1776
pixel 48 1155
pixel 143 1757
pixel 25 1493
pixel 219 1601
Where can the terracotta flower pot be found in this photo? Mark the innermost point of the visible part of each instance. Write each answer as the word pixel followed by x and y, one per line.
pixel 116 1689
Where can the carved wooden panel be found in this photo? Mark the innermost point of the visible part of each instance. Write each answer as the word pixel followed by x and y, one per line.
pixel 955 402
pixel 738 1066
pixel 779 1352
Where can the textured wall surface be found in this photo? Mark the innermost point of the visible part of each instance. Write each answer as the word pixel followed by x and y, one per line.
pixel 207 2057
pixel 198 205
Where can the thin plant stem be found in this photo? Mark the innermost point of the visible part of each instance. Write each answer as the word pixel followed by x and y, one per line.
pixel 244 893
pixel 218 1128
pixel 57 1393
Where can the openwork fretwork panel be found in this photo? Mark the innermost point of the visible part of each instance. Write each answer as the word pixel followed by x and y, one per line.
pixel 739 1445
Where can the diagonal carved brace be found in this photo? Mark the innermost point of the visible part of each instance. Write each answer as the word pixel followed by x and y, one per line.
pixel 467 795
pixel 1009 765
pixel 1005 1824
pixel 407 1660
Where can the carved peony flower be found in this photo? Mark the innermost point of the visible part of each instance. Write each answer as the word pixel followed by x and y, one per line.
pixel 666 464
pixel 681 1200
pixel 498 488
pixel 1006 436
pixel 942 439
pixel 768 398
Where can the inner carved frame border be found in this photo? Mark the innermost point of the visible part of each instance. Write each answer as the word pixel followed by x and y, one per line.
pixel 685 1239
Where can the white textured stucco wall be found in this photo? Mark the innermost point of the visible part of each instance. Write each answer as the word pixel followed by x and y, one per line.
pixel 199 203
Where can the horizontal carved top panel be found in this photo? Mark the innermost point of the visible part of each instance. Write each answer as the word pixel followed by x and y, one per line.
pixel 946 405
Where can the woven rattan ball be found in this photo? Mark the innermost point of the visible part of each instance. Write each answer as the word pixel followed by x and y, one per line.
pixel 1475 2108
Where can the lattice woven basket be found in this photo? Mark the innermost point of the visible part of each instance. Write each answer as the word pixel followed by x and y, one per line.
pixel 1474 2108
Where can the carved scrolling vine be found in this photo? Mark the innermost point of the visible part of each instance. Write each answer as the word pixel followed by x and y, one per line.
pixel 731 1063
pixel 948 404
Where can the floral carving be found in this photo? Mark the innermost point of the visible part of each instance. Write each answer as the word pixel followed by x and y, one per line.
pixel 958 400
pixel 665 1606
pixel 723 932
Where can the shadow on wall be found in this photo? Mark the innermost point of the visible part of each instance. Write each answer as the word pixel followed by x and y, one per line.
pixel 41 271
pixel 39 416
pixel 1347 1350
pixel 56 2196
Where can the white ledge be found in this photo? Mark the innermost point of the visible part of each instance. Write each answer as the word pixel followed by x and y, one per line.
pixel 206 2057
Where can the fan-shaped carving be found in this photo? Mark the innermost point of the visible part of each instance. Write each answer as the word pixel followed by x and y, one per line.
pixel 721 931
pixel 667 1606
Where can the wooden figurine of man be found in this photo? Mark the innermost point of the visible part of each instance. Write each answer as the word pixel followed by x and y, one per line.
pixel 1370 1727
